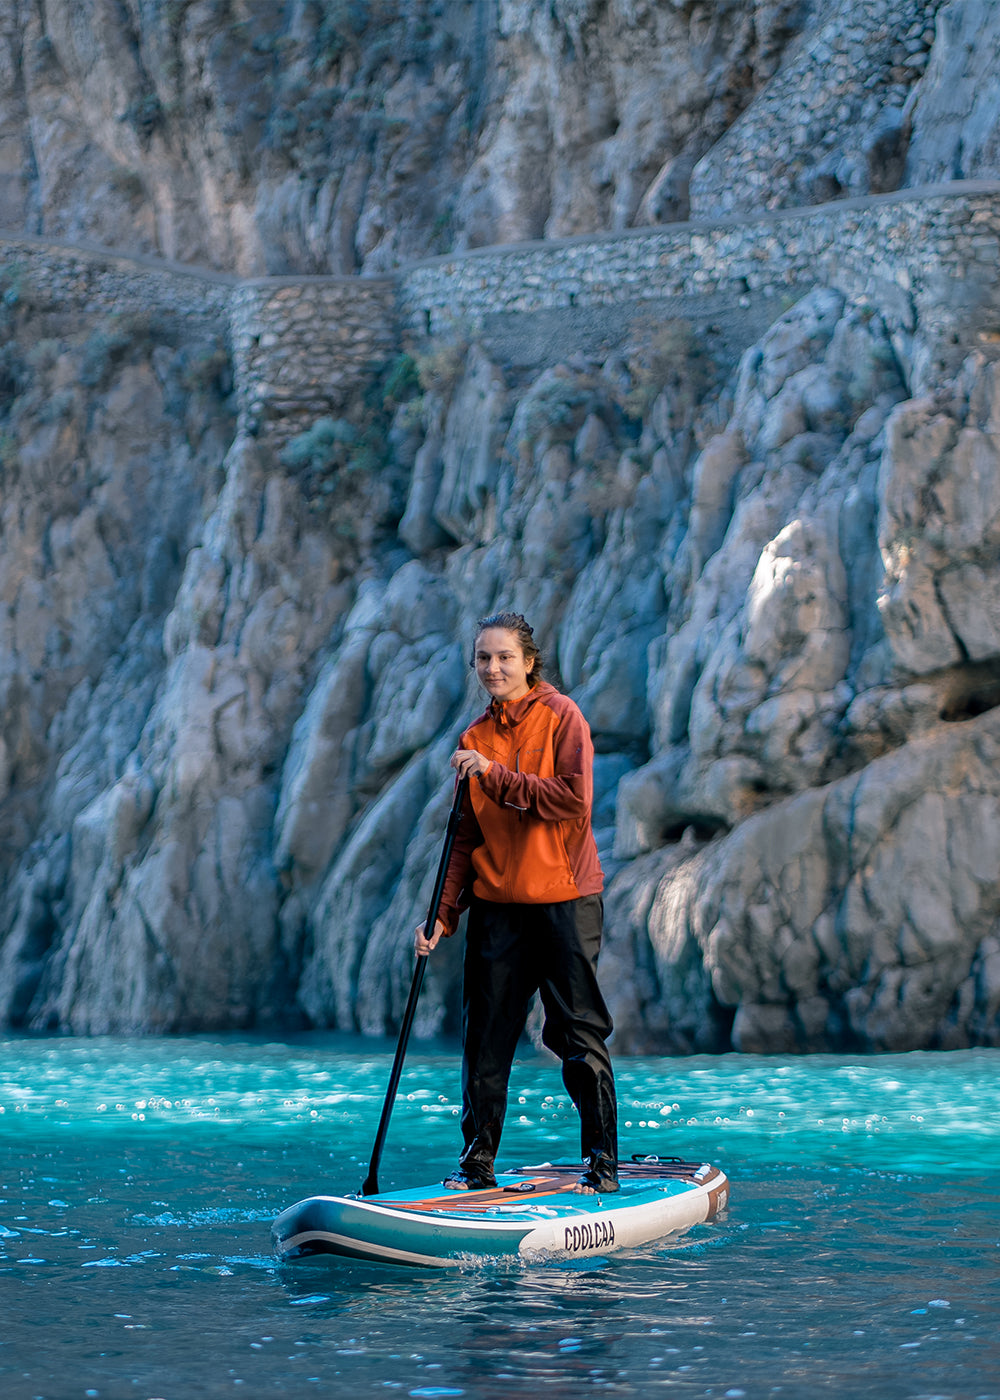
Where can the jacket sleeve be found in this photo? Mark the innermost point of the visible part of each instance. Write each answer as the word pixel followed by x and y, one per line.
pixel 459 877
pixel 566 796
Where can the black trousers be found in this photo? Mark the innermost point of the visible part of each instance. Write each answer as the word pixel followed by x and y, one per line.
pixel 512 951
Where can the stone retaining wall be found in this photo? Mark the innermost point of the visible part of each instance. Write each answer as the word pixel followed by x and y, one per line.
pixel 71 277
pixel 830 124
pixel 302 345
pixel 931 255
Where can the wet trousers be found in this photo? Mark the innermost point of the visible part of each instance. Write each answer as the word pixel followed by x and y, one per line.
pixel 512 951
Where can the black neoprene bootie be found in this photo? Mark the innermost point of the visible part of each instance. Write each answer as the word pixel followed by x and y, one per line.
pixel 475 1169
pixel 469 1178
pixel 601 1175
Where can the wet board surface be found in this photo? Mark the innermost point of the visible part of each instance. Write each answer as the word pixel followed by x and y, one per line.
pixel 533 1212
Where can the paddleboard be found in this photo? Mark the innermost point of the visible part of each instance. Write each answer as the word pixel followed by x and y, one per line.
pixel 532 1213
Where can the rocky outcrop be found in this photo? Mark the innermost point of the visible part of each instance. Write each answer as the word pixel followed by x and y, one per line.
pixel 112 443
pixel 954 126
pixel 331 138
pixel 860 915
pixel 336 138
pixel 766 615
pixel 771 592
pixel 234 660
pixel 860 909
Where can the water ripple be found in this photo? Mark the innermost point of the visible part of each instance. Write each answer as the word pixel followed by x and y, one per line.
pixel 138 1180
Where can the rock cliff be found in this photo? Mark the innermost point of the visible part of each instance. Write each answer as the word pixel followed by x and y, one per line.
pixel 337 137
pixel 765 563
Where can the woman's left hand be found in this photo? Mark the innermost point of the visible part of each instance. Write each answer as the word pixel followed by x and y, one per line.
pixel 469 763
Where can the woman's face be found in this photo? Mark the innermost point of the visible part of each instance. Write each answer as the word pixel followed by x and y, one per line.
pixel 500 664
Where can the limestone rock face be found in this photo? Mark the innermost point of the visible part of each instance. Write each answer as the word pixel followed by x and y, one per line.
pixel 113 437
pixel 327 138
pixel 226 764
pixel 331 138
pixel 761 652
pixel 939 533
pixel 171 892
pixel 233 668
pixel 864 913
pixel 955 133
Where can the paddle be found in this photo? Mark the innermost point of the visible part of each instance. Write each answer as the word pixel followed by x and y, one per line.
pixel 370 1185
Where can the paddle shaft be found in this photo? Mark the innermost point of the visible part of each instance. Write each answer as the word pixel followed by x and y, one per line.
pixel 370 1184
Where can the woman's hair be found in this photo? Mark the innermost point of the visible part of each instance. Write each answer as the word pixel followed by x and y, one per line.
pixel 513 622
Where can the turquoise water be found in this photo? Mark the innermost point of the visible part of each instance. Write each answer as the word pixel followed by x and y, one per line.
pixel 859 1257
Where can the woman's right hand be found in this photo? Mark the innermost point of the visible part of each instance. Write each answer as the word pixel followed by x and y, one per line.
pixel 422 945
pixel 470 763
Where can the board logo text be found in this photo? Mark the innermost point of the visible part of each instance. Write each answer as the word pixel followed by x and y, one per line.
pixel 598 1234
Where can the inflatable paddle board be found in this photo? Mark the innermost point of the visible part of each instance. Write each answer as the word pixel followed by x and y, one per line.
pixel 531 1213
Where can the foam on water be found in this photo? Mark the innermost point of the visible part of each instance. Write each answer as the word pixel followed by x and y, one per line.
pixel 138 1180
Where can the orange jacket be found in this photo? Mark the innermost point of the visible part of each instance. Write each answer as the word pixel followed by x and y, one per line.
pixel 528 838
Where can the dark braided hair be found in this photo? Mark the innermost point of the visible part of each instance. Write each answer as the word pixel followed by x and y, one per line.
pixel 513 622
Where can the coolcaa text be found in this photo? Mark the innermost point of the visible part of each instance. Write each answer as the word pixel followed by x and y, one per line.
pixel 597 1234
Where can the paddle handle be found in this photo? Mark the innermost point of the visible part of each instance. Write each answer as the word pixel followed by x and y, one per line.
pixel 370 1185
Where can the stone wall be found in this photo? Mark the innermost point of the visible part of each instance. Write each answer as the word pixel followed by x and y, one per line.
pixel 930 255
pixel 68 277
pixel 302 345
pixel 833 122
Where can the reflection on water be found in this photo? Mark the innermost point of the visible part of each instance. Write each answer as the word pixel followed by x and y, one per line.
pixel 138 1181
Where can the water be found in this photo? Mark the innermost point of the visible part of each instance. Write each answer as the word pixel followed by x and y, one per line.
pixel 138 1180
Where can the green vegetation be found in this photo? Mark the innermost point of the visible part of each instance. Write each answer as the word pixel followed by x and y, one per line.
pixel 8 451
pixel 111 341
pixel 53 379
pixel 197 366
pixel 667 355
pixel 432 371
pixel 402 381
pixel 322 452
pixel 204 366
pixel 345 466
pixel 11 281
pixel 553 410
pixel 440 364
pixel 16 294
pixel 13 372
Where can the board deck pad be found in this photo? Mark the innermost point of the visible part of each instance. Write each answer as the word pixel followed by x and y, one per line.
pixel 533 1212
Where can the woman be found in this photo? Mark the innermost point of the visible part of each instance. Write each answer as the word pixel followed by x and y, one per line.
pixel 525 864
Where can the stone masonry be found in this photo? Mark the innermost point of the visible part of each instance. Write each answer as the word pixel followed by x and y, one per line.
pixel 301 346
pixel 833 122
pixel 928 255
